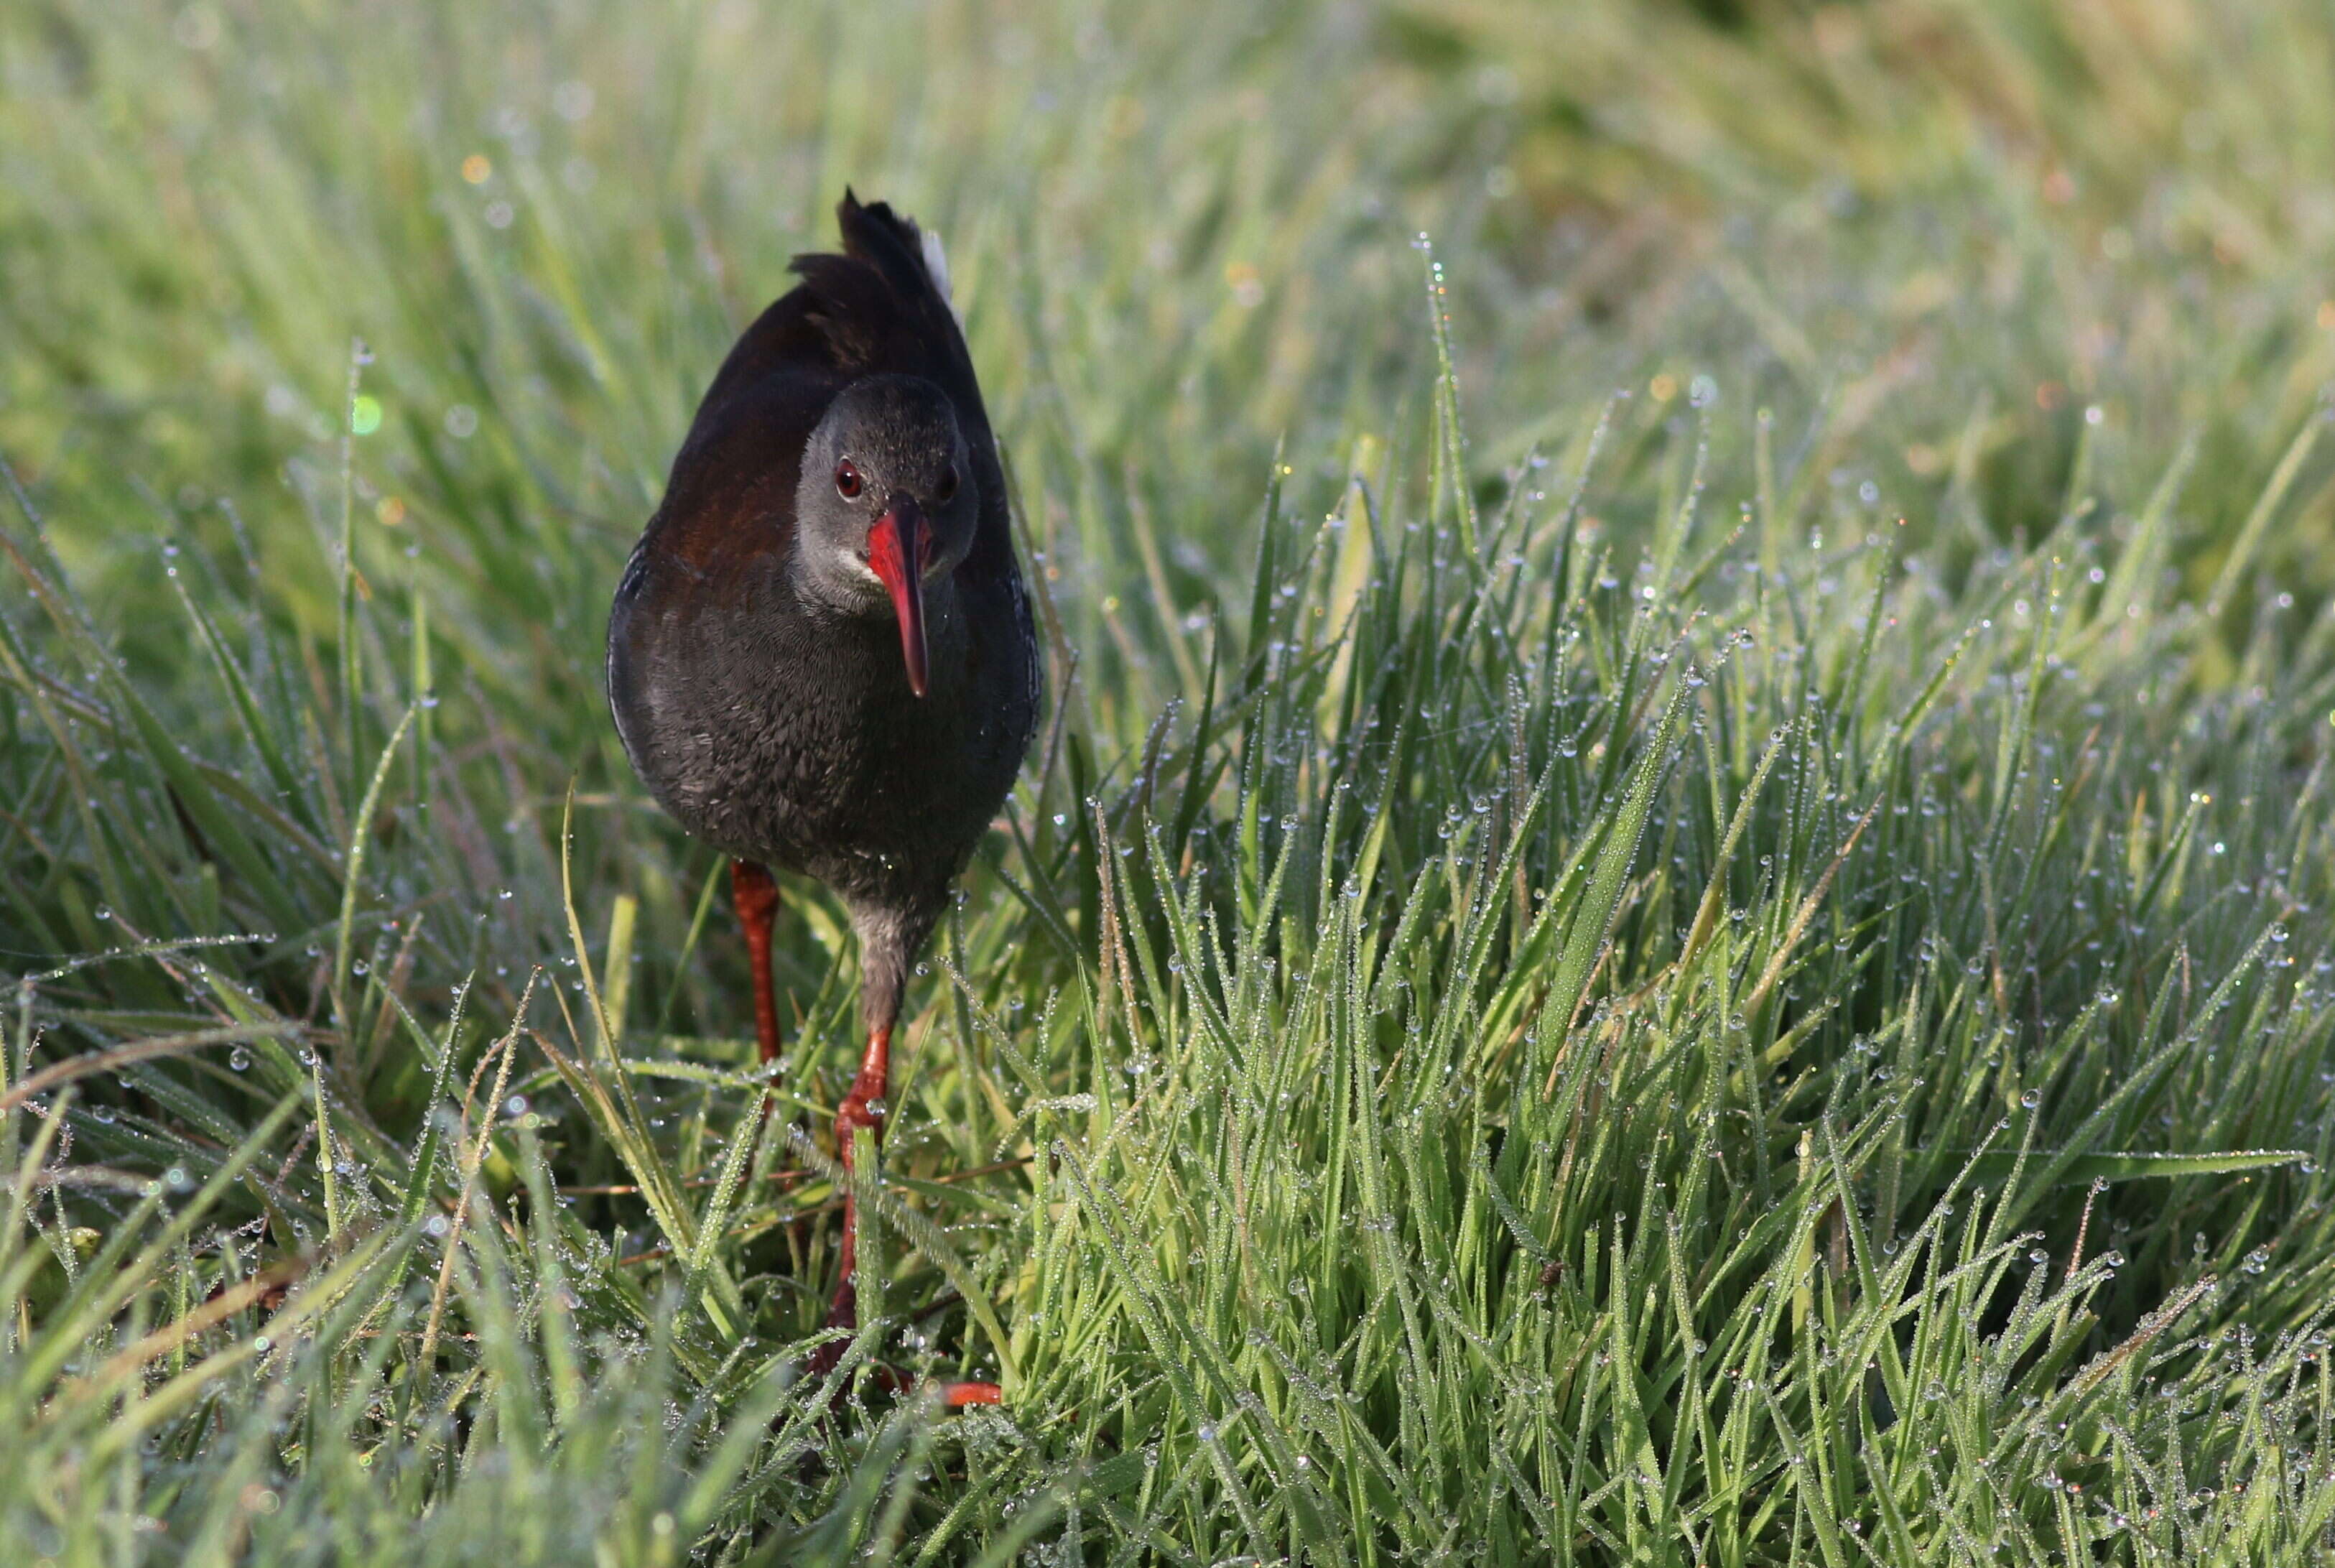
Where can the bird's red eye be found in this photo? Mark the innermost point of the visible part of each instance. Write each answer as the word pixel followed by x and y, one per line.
pixel 846 479
pixel 947 491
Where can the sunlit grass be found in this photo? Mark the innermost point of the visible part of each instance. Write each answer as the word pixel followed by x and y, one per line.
pixel 1731 971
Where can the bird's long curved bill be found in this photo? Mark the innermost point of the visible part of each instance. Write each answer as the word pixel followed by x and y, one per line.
pixel 896 548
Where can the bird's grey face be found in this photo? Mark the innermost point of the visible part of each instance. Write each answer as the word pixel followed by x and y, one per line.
pixel 886 505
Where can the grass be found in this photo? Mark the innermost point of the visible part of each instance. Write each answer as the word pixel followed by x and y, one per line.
pixel 1735 971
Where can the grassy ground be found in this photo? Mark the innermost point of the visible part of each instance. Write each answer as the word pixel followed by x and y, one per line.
pixel 1676 908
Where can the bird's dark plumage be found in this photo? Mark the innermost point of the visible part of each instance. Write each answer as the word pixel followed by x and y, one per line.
pixel 820 655
pixel 758 683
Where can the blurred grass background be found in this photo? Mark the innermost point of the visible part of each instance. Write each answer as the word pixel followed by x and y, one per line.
pixel 1984 289
pixel 1178 242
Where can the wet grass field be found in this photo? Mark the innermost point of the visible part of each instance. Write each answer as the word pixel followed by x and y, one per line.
pixel 1673 907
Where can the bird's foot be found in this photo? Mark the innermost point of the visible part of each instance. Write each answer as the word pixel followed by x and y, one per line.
pixel 958 1395
pixel 955 1396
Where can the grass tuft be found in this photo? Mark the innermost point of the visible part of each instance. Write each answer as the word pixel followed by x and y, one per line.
pixel 1730 971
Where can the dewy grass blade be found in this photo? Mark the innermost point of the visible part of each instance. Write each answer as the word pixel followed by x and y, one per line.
pixel 351 657
pixel 2084 1169
pixel 101 1061
pixel 649 1168
pixel 1593 915
pixel 353 873
pixel 116 1275
pixel 2250 533
pixel 422 1170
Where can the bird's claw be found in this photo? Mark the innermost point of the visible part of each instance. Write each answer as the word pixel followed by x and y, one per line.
pixel 952 1396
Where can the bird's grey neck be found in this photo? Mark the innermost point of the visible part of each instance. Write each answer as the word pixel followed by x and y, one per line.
pixel 891 932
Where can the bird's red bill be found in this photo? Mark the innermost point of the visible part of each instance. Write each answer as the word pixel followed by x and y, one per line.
pixel 896 548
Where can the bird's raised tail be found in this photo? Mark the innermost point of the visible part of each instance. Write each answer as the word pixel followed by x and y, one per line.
pixel 881 307
pixel 910 258
pixel 874 232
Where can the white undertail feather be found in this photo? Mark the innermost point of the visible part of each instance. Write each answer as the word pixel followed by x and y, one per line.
pixel 935 258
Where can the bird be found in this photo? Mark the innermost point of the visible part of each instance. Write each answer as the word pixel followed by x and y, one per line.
pixel 821 656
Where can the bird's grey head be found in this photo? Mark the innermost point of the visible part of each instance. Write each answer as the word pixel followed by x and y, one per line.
pixel 886 505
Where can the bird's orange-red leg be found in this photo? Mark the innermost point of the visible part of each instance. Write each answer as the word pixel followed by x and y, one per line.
pixel 866 1106
pixel 757 898
pixel 863 1107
